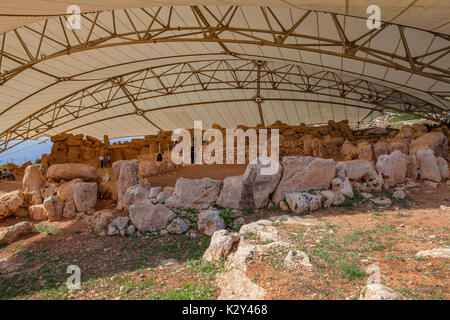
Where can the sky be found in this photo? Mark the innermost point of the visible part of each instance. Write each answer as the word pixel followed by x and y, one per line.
pixel 31 150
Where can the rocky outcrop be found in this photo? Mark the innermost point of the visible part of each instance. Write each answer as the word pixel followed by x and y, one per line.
pixel 14 232
pixel 85 196
pixel 194 193
pixel 361 174
pixel 221 245
pixel 303 174
pixel 150 217
pixel 70 171
pixel 125 173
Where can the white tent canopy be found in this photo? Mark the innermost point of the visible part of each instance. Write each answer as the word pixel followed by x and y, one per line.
pixel 135 68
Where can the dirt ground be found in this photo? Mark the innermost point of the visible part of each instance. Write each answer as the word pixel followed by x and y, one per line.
pixel 341 246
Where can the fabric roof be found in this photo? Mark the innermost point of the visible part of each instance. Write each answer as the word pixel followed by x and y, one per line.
pixel 138 70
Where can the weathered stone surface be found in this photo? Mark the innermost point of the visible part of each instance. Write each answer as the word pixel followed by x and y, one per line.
pixel 118 225
pixel 331 198
pixel 262 229
pixel 303 201
pixel 70 171
pixel 400 146
pixel 85 196
pixel 342 186
pixel 443 253
pixel 297 260
pixel 37 212
pixel 303 174
pixel 126 176
pixel 178 226
pixel 66 190
pixel 382 201
pixel 399 194
pixel 14 232
pixel 33 181
pixel 361 174
pixel 48 189
pixel 155 191
pixel 163 196
pixel 349 151
pixel 194 193
pixel 235 285
pixel 380 148
pixel 412 169
pixel 101 219
pixel 429 169
pixel 69 210
pixel 149 217
pixel 53 208
pixel 135 194
pixel 406 133
pixel 377 291
pixel 251 190
pixel 221 244
pixel 443 167
pixel 10 202
pixel 145 183
pixel 209 221
pixel 393 168
pixel 365 151
pixel 436 141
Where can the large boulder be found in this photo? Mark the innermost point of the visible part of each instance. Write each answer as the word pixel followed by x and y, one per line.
pixel 251 190
pixel 194 193
pixel 365 151
pixel 342 186
pixel 85 196
pixel 66 190
pixel 349 151
pixel 53 208
pixel 412 170
pixel 436 141
pixel 70 171
pixel 429 169
pixel 221 244
pixel 12 233
pixel 135 194
pixel 126 176
pixel 393 168
pixel 209 221
pixel 69 210
pixel 10 202
pixel 37 212
pixel 33 181
pixel 400 146
pixel 406 133
pixel 303 174
pixel 150 217
pixel 303 201
pixel 443 167
pixel 380 148
pixel 178 226
pixel 361 174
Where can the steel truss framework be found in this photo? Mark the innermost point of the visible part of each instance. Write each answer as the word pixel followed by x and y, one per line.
pixel 258 78
pixel 162 25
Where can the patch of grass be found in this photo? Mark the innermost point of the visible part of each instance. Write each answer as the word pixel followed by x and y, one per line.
pixel 205 269
pixel 46 228
pixel 357 200
pixel 248 212
pixel 227 216
pixel 351 270
pixel 189 291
